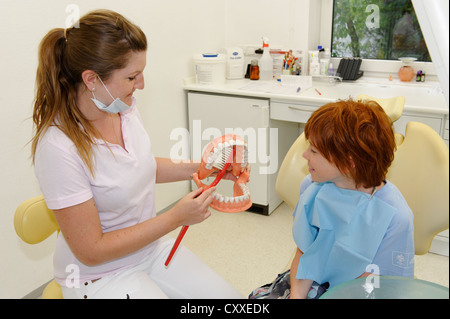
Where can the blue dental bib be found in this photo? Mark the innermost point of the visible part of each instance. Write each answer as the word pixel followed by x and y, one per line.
pixel 339 232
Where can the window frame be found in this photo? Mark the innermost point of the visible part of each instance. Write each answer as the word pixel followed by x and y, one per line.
pixel 371 67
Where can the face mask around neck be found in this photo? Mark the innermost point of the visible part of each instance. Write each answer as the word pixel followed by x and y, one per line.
pixel 115 107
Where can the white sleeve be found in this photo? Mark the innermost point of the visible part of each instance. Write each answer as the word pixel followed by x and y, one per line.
pixel 62 176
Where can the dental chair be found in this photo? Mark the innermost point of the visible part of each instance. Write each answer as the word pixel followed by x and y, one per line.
pixel 420 170
pixel 392 106
pixel 34 223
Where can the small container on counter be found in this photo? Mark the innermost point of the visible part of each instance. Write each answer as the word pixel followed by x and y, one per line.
pixel 254 70
pixel 419 76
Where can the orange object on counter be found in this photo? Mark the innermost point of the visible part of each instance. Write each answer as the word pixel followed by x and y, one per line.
pixel 254 70
pixel 406 73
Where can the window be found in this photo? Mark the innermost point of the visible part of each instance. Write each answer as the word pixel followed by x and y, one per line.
pixel 377 29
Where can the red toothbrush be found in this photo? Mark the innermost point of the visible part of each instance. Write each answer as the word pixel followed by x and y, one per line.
pixel 229 153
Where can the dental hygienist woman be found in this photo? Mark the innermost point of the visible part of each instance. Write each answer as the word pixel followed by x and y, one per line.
pixel 95 167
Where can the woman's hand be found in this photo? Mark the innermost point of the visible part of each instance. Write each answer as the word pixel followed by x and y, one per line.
pixel 193 208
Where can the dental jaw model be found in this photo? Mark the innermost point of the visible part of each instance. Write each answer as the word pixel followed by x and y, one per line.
pixel 220 154
pixel 211 162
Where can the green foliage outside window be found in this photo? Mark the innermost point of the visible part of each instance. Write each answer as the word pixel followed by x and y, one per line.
pixel 377 29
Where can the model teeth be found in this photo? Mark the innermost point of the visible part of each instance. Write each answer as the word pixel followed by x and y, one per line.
pixel 226 199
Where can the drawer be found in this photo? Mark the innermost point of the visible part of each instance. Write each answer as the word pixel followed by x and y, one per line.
pixel 435 123
pixel 291 112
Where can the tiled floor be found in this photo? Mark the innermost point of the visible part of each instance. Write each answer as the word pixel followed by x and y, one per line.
pixel 249 249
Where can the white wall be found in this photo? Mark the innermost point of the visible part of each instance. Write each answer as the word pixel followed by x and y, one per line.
pixel 175 30
pixel 285 22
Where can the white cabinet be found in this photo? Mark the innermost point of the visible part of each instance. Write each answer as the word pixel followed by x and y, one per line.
pixel 291 112
pixel 436 122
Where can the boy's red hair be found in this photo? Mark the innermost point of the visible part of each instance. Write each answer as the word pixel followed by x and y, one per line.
pixel 356 136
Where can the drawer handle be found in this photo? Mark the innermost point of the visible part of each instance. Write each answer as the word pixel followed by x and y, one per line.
pixel 301 109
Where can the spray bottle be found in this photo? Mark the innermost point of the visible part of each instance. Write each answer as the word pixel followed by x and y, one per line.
pixel 266 63
pixel 325 62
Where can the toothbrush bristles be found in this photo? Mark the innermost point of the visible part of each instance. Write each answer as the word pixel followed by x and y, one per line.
pixel 220 161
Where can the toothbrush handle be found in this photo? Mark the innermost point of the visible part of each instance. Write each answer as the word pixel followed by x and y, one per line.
pixel 177 243
pixel 179 238
pixel 185 228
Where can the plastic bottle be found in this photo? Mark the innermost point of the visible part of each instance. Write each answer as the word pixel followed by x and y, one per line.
pixel 419 76
pixel 331 70
pixel 266 63
pixel 314 65
pixel 254 70
pixel 321 51
pixel 324 62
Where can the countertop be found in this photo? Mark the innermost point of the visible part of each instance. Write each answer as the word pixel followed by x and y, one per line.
pixel 420 97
